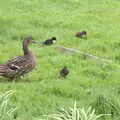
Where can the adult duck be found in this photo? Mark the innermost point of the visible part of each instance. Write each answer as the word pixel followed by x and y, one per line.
pixel 19 66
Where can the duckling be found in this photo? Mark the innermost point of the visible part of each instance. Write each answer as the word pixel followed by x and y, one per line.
pixel 50 41
pixel 64 72
pixel 82 34
pixel 20 65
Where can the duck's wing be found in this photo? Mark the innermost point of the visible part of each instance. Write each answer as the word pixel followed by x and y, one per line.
pixel 18 66
pixel 17 61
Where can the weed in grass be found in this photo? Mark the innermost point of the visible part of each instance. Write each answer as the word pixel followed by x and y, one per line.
pixel 75 113
pixel 108 105
pixel 7 111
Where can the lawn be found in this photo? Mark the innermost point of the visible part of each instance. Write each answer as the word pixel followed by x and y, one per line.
pixel 41 91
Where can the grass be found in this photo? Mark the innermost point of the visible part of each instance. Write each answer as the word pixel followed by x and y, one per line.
pixel 107 105
pixel 76 113
pixel 7 111
pixel 41 92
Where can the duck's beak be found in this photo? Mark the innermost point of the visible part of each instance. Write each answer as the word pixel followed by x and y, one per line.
pixel 54 41
pixel 35 42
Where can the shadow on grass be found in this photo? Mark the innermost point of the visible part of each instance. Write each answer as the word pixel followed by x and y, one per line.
pixel 26 80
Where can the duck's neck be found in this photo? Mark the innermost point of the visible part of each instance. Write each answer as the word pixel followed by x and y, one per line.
pixel 25 48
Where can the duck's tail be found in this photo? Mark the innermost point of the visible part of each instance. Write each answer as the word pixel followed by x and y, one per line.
pixel 2 70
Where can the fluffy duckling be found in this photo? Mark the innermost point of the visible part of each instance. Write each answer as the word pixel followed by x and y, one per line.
pixel 50 41
pixel 64 72
pixel 82 34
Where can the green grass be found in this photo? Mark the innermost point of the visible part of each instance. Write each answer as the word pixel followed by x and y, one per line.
pixel 41 92
pixel 7 111
pixel 76 113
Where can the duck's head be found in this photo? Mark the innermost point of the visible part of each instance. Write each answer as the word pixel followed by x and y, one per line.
pixel 29 40
pixel 54 39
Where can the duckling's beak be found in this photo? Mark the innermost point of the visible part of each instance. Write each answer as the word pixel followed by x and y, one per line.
pixel 54 41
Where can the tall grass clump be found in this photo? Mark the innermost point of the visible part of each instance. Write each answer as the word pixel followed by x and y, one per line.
pixel 107 105
pixel 75 113
pixel 6 109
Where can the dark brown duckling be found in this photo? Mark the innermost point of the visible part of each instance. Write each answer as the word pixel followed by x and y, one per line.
pixel 19 66
pixel 50 41
pixel 82 34
pixel 64 72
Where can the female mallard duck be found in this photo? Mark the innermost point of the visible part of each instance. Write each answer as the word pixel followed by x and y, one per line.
pixel 19 66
